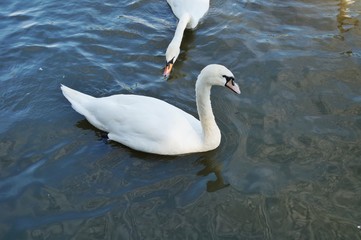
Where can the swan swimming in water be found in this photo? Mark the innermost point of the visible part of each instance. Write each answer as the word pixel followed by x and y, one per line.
pixel 188 12
pixel 151 125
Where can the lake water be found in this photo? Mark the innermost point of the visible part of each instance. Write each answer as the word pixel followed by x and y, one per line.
pixel 289 164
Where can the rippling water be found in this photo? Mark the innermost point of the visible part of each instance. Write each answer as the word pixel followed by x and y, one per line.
pixel 289 164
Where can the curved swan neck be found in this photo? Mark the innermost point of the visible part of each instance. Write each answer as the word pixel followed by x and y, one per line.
pixel 182 24
pixel 203 95
pixel 211 132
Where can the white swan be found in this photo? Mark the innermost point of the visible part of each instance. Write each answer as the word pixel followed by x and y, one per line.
pixel 189 12
pixel 151 125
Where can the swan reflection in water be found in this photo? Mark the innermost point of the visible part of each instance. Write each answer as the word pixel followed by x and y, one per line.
pixel 345 21
pixel 212 166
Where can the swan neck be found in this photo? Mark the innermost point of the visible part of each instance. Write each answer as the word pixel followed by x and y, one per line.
pixel 181 26
pixel 204 106
pixel 211 132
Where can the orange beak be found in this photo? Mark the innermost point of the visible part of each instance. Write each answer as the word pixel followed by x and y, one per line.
pixel 233 86
pixel 167 70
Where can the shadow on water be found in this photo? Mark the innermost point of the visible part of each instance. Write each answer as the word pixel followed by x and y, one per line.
pixel 187 43
pixel 212 166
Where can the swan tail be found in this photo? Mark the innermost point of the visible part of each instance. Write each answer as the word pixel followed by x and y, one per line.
pixel 79 101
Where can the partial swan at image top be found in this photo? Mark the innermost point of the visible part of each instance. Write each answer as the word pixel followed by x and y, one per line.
pixel 188 12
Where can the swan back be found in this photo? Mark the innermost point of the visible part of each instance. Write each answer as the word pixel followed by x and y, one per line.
pixel 195 8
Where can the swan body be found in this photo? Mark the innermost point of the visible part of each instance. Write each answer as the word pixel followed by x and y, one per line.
pixel 188 12
pixel 196 9
pixel 151 125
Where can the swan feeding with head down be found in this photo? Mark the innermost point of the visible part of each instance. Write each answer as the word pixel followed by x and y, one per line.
pixel 151 125
pixel 188 12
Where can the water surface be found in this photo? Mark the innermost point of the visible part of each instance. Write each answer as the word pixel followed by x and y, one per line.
pixel 289 163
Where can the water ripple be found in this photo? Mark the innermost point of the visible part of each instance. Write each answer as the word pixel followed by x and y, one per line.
pixel 12 186
pixel 288 164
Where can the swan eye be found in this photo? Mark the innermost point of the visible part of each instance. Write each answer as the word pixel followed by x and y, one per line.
pixel 229 79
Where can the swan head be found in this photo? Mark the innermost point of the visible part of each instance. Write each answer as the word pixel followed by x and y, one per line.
pixel 171 56
pixel 215 74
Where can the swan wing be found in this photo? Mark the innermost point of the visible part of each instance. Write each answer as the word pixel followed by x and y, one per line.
pixel 148 124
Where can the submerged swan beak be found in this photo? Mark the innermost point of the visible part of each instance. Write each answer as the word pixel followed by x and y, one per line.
pixel 168 68
pixel 233 86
